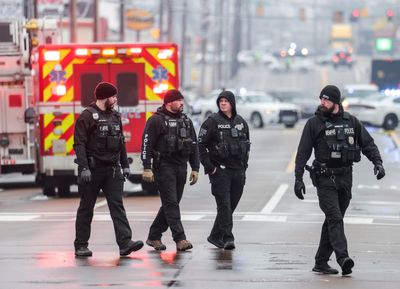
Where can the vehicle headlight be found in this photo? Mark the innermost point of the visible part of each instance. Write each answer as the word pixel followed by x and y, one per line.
pixel 270 111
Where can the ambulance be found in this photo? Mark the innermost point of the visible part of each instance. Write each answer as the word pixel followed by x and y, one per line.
pixel 64 78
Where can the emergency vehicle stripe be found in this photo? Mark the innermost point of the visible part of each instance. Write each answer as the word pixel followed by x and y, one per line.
pixel 148 114
pixel 168 64
pixel 107 60
pixel 67 132
pixel 49 65
pixel 65 61
pixel 154 62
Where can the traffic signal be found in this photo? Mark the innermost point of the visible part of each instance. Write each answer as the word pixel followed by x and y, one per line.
pixel 389 14
pixel 355 15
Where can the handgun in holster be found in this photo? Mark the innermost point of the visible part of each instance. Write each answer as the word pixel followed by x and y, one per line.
pixel 316 169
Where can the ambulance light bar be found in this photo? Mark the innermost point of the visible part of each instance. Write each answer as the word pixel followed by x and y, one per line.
pixel 160 88
pixel 52 55
pixel 165 54
pixel 136 50
pixel 81 52
pixel 108 52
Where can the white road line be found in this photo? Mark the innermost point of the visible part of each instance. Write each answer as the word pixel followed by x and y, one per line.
pixel 191 217
pixel 100 204
pixel 264 218
pixel 17 218
pixel 358 221
pixel 270 206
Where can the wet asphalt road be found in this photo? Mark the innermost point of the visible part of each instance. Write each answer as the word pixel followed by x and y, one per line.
pixel 276 234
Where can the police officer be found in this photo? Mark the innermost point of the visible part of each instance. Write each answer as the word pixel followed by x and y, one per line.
pixel 337 138
pixel 224 146
pixel 169 142
pixel 100 150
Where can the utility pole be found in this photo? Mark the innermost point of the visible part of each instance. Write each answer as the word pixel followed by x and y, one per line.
pixel 249 26
pixel 204 32
pixel 169 20
pixel 122 20
pixel 96 21
pixel 237 37
pixel 217 68
pixel 72 21
pixel 183 43
pixel 161 20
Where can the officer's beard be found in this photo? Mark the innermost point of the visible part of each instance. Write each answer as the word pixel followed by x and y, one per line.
pixel 326 111
pixel 109 105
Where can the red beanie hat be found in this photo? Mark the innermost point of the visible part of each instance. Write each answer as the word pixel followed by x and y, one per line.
pixel 105 90
pixel 172 95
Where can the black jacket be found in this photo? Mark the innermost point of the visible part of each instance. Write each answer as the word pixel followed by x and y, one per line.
pixel 154 130
pixel 313 136
pixel 85 140
pixel 208 139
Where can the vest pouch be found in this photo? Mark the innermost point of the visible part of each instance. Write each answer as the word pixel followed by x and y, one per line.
pixel 340 135
pixel 113 143
pixel 354 154
pixel 101 143
pixel 234 149
pixel 222 151
pixel 171 143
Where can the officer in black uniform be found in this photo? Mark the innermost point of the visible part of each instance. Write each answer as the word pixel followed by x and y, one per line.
pixel 169 142
pixel 100 150
pixel 337 138
pixel 224 146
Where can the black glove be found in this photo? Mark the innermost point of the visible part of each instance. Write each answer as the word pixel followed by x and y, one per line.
pixel 299 189
pixel 379 171
pixel 86 176
pixel 126 172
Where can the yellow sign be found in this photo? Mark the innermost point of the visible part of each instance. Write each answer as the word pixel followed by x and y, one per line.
pixel 137 19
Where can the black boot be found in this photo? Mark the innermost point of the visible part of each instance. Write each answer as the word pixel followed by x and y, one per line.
pixel 83 252
pixel 216 243
pixel 347 265
pixel 131 247
pixel 324 269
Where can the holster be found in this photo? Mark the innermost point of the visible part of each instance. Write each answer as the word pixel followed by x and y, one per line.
pixel 156 159
pixel 313 175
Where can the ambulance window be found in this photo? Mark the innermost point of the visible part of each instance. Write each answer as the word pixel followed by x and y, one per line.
pixel 128 90
pixel 88 84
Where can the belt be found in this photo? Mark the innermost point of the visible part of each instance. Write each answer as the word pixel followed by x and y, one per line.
pixel 335 171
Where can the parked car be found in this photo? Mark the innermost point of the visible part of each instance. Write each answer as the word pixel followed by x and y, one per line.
pixel 378 110
pixel 308 103
pixel 352 93
pixel 260 108
pixel 257 107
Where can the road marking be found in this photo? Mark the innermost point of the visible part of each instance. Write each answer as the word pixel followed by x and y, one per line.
pixel 395 138
pixel 264 218
pixel 360 221
pixel 270 206
pixel 291 164
pixel 18 218
pixel 100 204
pixel 192 217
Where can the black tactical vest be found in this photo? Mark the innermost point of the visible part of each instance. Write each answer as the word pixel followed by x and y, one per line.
pixel 231 138
pixel 177 137
pixel 341 145
pixel 108 134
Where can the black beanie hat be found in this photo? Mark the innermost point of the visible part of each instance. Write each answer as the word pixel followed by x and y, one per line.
pixel 105 90
pixel 331 93
pixel 172 95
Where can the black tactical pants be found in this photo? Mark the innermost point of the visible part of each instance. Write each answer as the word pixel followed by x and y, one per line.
pixel 334 194
pixel 171 179
pixel 111 181
pixel 227 188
